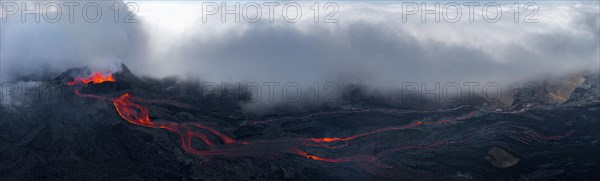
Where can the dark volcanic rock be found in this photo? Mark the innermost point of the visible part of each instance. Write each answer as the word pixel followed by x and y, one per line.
pixel 70 74
pixel 85 139
pixel 588 92
pixel 548 92
pixel 125 75
pixel 500 158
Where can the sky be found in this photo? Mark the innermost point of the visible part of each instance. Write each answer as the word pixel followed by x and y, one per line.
pixel 375 44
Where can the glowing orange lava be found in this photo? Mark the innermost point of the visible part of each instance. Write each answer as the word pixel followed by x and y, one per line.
pixel 95 78
pixel 133 111
pixel 137 114
pixel 337 160
pixel 327 140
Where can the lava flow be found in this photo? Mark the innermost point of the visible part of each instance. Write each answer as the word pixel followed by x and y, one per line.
pixel 326 140
pixel 96 78
pixel 137 114
pixel 132 110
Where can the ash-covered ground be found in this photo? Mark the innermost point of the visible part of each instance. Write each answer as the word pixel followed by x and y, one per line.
pixel 83 137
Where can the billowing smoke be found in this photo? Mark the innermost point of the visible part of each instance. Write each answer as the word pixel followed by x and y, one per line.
pixel 371 46
pixel 62 35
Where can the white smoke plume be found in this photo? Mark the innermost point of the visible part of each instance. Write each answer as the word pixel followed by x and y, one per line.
pixel 370 46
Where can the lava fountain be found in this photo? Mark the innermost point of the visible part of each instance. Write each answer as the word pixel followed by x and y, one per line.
pixel 96 78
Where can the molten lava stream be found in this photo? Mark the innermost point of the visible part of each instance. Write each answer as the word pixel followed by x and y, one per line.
pixel 411 125
pixel 138 115
pixel 95 78
pixel 129 109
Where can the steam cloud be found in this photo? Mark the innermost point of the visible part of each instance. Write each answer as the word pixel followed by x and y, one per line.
pixel 370 46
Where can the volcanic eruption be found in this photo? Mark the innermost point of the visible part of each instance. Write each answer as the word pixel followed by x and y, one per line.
pixel 96 78
pixel 204 141
pixel 119 116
